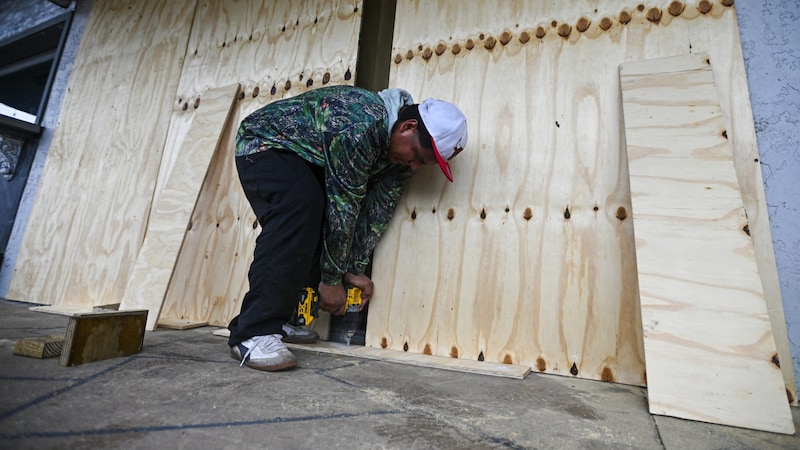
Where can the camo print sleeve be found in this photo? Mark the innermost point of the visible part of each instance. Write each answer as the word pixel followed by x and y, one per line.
pixel 376 210
pixel 345 130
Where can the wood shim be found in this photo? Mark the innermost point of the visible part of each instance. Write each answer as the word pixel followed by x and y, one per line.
pixel 709 348
pixel 170 217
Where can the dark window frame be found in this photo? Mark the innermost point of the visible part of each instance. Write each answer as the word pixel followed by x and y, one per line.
pixel 13 124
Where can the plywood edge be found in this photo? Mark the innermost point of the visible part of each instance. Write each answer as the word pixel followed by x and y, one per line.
pixel 416 359
pixel 515 371
pixel 667 64
pixel 179 324
pixel 62 310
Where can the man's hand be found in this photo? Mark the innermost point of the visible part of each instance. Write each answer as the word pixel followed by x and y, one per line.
pixel 332 299
pixel 362 282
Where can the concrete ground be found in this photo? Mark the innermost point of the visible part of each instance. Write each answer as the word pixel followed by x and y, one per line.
pixel 184 391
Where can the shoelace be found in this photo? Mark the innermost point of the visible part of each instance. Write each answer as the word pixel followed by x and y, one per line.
pixel 269 343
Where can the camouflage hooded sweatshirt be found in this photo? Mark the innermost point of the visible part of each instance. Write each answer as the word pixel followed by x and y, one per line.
pixel 345 130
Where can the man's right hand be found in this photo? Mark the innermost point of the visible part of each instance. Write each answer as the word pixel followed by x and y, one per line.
pixel 332 299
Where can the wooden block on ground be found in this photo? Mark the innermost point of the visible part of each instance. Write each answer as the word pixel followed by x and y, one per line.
pixel 709 349
pixel 178 324
pixel 99 336
pixel 40 347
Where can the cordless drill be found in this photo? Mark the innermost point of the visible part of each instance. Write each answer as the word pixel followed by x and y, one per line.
pixel 308 309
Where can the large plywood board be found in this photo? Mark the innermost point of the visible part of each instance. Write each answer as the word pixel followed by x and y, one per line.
pixel 275 50
pixel 172 210
pixel 528 257
pixel 709 348
pixel 91 208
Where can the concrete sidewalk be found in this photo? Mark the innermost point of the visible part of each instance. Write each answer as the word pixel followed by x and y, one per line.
pixel 184 391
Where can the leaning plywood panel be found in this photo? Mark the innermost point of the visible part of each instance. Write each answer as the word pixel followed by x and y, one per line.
pixel 91 208
pixel 529 255
pixel 172 210
pixel 709 346
pixel 274 49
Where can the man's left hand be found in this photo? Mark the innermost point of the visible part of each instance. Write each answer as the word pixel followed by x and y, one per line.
pixel 362 282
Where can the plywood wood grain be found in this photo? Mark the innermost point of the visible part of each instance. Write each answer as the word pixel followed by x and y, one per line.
pixel 172 210
pixel 275 50
pixel 528 257
pixel 91 208
pixel 709 347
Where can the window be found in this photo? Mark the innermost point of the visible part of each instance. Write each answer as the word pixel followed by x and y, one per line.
pixel 28 63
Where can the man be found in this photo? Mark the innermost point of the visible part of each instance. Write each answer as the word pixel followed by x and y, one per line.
pixel 323 172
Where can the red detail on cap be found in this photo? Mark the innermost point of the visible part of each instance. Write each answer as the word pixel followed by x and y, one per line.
pixel 442 163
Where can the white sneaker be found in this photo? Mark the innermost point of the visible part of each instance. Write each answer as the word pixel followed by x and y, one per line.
pixel 267 353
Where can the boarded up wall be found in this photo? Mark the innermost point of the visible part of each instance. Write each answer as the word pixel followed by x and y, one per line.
pixel 91 208
pixel 142 69
pixel 529 257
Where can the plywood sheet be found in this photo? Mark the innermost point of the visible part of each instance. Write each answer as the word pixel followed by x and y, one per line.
pixel 529 256
pixel 274 50
pixel 90 212
pixel 709 347
pixel 172 210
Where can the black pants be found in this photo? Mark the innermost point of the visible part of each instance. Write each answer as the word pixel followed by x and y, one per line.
pixel 288 197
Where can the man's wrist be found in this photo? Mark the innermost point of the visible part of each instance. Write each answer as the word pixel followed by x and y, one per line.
pixel 332 280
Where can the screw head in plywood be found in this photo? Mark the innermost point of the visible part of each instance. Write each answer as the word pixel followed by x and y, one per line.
pixel 676 8
pixel 653 15
pixel 583 24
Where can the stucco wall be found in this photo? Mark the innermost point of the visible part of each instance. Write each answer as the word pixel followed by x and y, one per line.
pixel 770 39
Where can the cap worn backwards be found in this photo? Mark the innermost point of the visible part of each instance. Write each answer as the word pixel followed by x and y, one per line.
pixel 447 126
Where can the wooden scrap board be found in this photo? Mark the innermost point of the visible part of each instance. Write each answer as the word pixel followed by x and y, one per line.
pixel 172 211
pixel 709 348
pixel 99 336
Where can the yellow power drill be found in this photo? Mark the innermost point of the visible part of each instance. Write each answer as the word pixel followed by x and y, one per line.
pixel 308 309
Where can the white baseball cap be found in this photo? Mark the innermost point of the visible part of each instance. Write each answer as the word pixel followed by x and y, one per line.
pixel 447 126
